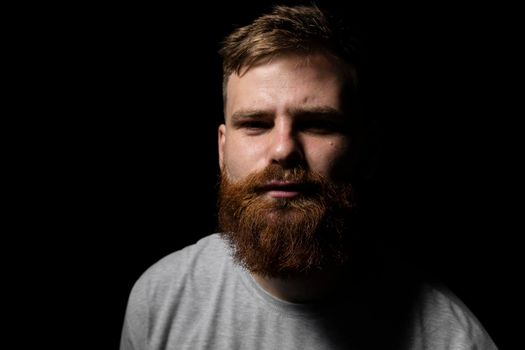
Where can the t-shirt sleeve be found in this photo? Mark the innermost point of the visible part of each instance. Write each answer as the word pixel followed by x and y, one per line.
pixel 169 291
pixel 447 323
pixel 136 320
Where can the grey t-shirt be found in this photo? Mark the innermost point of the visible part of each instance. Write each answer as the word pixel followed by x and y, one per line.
pixel 198 298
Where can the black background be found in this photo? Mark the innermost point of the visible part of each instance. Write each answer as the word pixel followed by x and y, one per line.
pixel 123 167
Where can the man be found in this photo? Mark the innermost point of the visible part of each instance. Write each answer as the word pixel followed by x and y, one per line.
pixel 292 268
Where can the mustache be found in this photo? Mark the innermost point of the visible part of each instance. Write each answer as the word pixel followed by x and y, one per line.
pixel 274 174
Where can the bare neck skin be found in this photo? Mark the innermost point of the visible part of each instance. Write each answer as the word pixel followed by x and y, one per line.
pixel 301 289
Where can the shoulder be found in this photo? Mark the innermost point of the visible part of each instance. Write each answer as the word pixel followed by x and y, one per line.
pixel 446 322
pixel 194 261
pixel 172 284
pixel 208 248
pixel 442 306
pixel 182 276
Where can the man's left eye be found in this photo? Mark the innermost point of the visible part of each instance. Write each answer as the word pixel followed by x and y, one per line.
pixel 320 126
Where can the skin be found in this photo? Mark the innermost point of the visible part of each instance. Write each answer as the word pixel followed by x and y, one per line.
pixel 287 111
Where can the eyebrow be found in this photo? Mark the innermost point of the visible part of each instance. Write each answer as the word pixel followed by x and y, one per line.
pixel 325 112
pixel 318 111
pixel 250 114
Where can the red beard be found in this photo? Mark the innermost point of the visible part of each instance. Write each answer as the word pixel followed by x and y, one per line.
pixel 282 237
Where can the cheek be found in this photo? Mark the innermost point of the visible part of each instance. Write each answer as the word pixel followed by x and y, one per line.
pixel 332 159
pixel 240 159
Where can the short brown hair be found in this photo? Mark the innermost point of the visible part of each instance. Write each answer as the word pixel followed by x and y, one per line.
pixel 299 29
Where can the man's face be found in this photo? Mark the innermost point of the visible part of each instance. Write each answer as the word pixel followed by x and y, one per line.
pixel 286 112
pixel 286 199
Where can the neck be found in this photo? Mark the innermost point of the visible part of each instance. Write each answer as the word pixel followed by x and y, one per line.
pixel 304 288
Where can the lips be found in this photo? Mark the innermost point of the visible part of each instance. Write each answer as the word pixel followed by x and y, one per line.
pixel 282 189
pixel 282 185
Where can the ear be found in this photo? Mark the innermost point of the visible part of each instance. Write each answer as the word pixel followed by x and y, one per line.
pixel 222 141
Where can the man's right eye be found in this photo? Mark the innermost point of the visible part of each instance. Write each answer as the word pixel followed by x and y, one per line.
pixel 255 125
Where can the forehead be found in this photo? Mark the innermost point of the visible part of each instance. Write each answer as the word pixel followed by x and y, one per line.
pixel 289 81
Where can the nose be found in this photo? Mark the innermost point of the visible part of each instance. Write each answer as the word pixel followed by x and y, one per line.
pixel 286 148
